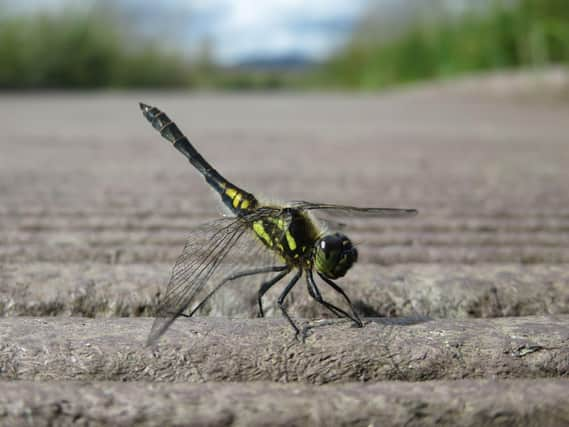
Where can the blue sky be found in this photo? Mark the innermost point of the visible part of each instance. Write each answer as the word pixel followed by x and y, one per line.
pixel 240 29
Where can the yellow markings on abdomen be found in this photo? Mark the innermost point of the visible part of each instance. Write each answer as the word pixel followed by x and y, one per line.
pixel 236 200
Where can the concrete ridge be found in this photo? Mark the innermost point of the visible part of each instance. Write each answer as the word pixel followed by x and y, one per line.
pixel 219 349
pixel 445 290
pixel 447 403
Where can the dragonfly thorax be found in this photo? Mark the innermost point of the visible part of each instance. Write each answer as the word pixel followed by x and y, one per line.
pixel 334 255
pixel 293 236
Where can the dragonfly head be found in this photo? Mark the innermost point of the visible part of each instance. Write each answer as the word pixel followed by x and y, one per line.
pixel 335 255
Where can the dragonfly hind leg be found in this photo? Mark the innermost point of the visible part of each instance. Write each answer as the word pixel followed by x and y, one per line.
pixel 266 286
pixel 282 297
pixel 315 293
pixel 232 277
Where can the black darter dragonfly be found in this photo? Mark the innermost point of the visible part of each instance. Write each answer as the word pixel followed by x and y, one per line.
pixel 256 239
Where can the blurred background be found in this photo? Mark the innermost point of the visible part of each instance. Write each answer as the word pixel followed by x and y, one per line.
pixel 226 44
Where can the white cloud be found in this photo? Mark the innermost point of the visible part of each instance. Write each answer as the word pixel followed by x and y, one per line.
pixel 241 28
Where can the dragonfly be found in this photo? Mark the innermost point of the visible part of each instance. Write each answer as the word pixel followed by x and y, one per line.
pixel 271 241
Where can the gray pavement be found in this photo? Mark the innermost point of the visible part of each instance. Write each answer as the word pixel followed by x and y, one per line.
pixel 333 351
pixel 448 403
pixel 95 207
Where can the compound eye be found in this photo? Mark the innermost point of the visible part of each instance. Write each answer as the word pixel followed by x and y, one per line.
pixel 330 245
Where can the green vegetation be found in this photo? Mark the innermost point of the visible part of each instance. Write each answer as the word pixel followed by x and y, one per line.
pixel 509 34
pixel 72 49
pixel 76 49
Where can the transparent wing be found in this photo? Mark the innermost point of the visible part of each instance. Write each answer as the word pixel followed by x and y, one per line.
pixel 213 252
pixel 339 211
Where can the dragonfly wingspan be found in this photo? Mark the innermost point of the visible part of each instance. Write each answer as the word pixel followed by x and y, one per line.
pixel 213 252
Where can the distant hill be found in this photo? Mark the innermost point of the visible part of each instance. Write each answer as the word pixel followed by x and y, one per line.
pixel 288 62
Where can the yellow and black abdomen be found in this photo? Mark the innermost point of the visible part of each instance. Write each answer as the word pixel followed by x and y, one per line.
pixel 293 235
pixel 237 200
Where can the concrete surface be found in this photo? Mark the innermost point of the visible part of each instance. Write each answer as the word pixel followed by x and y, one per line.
pixel 95 207
pixel 84 179
pixel 435 290
pixel 466 403
pixel 220 349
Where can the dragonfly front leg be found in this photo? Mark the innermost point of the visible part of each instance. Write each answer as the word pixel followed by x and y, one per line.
pixel 354 317
pixel 314 292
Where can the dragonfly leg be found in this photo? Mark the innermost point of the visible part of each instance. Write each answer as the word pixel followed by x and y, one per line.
pixel 153 338
pixel 284 295
pixel 315 293
pixel 266 286
pixel 355 318
pixel 236 276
